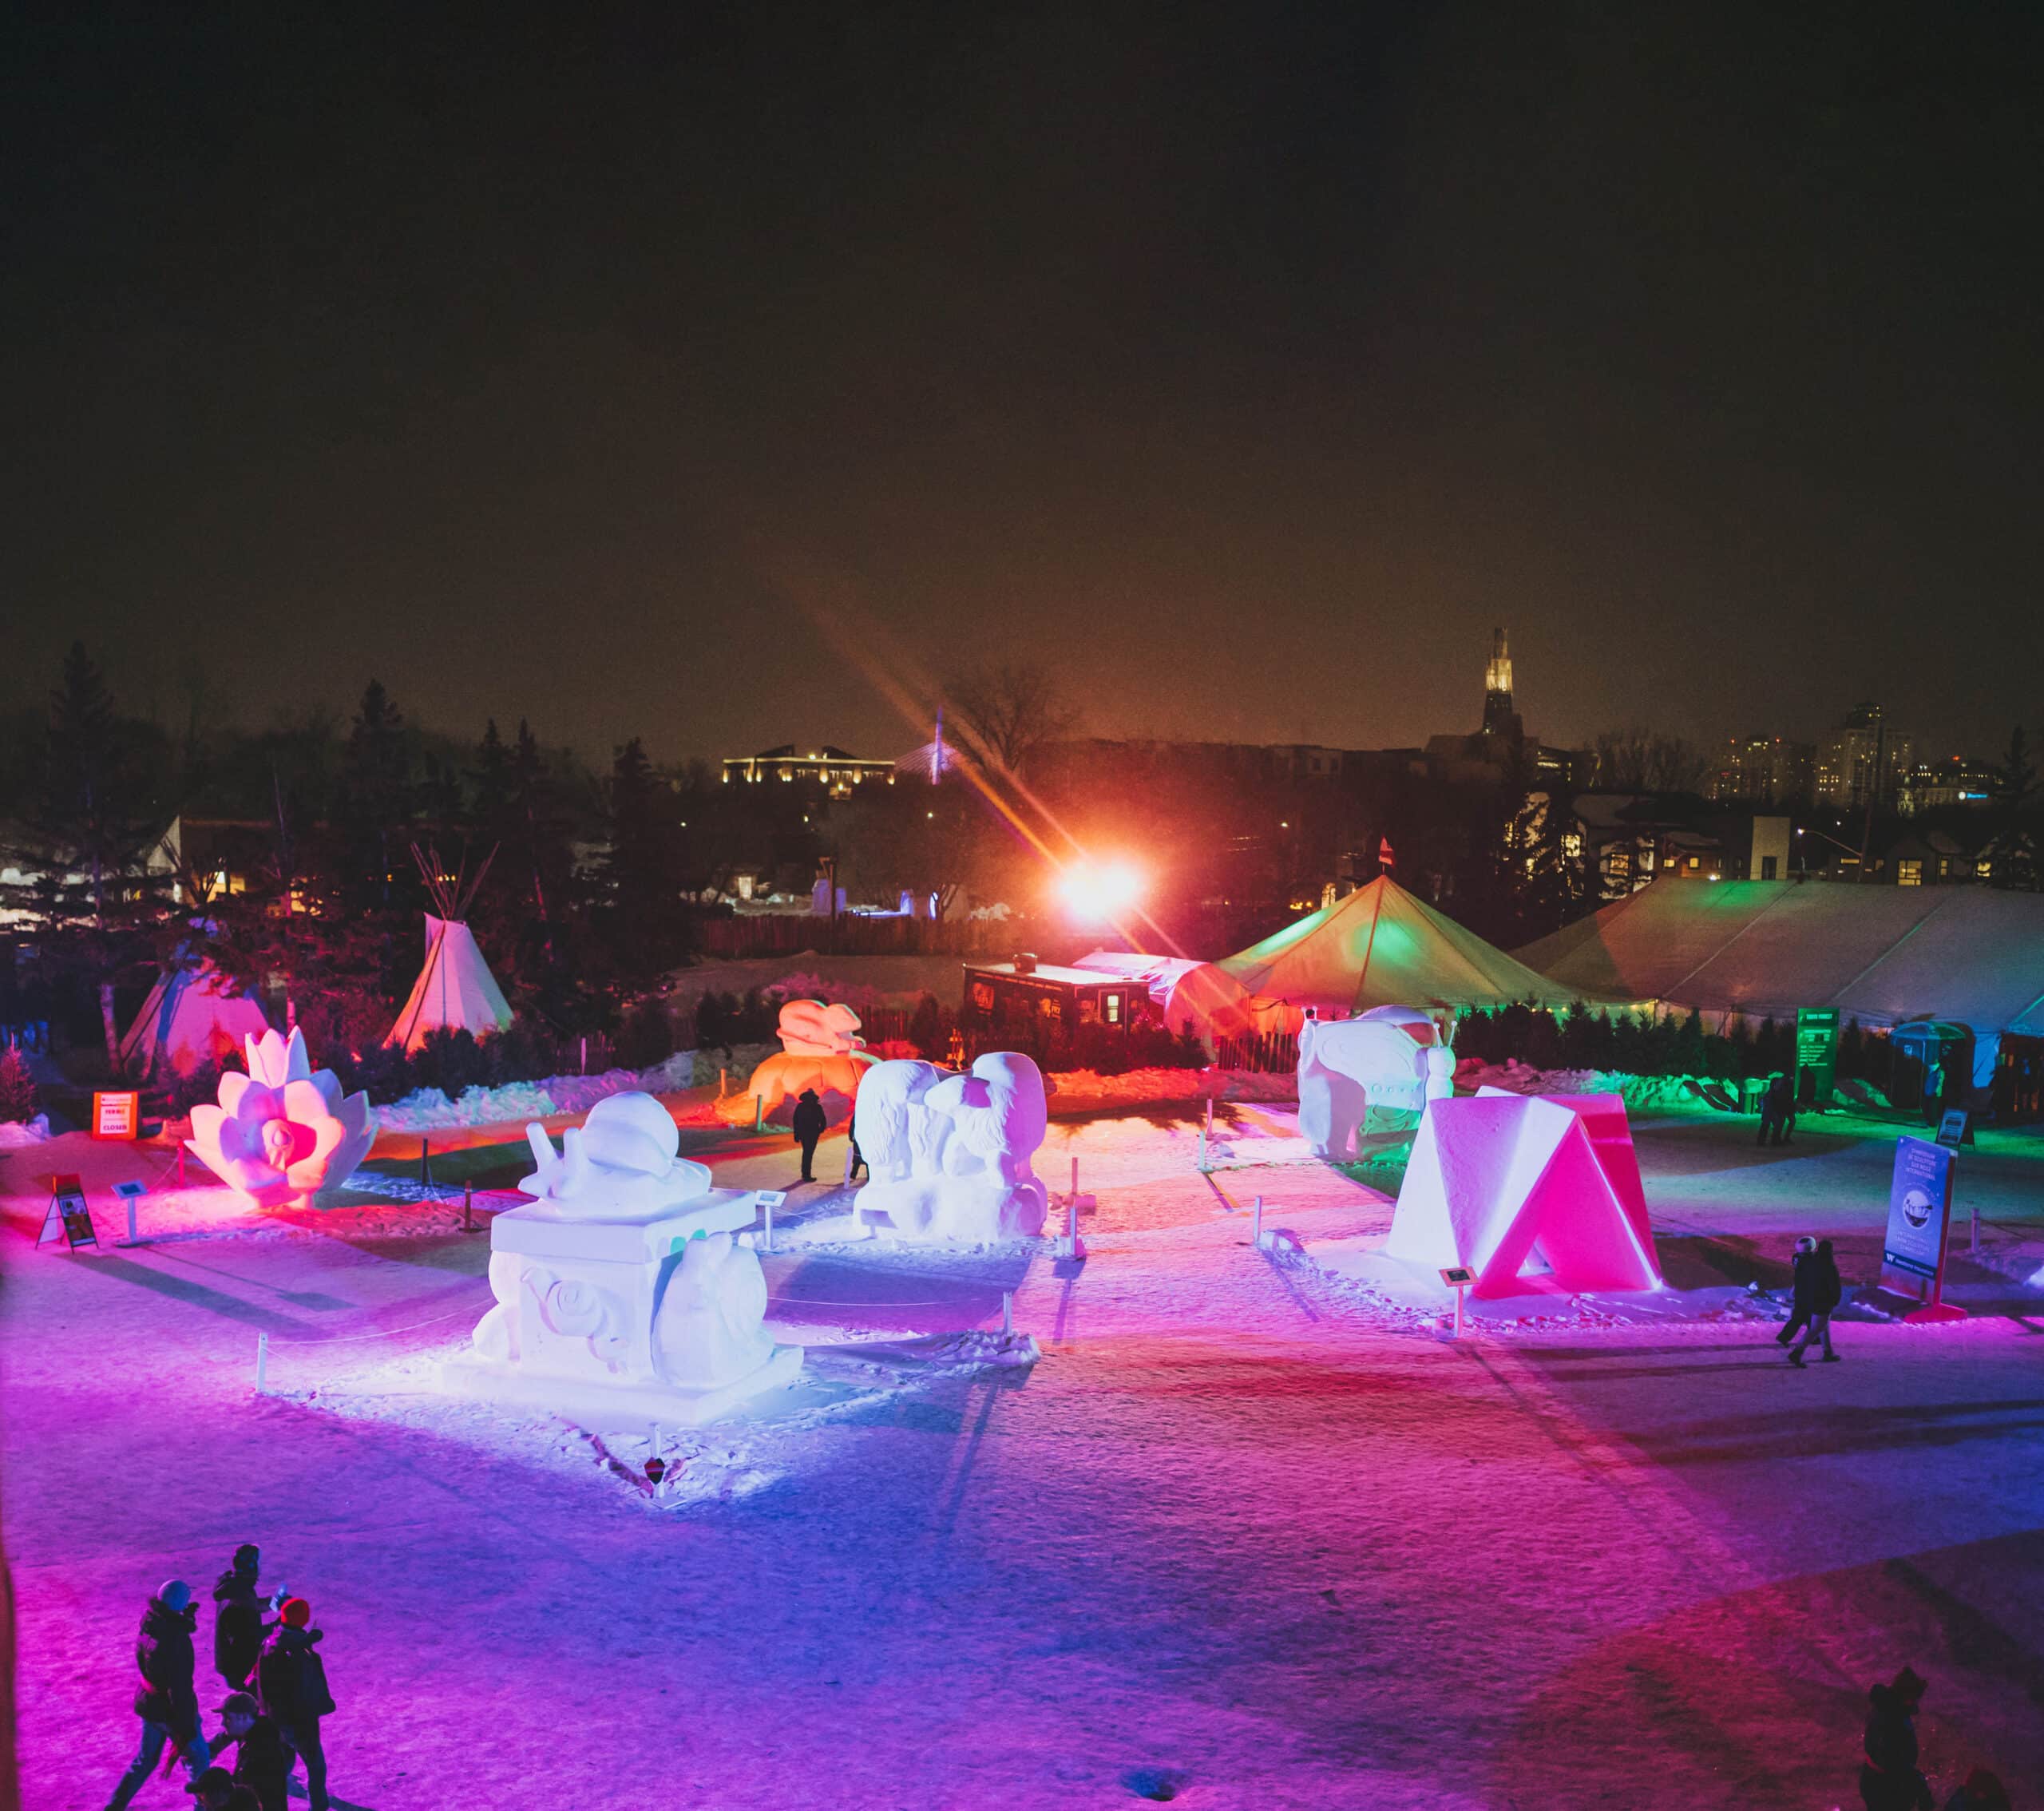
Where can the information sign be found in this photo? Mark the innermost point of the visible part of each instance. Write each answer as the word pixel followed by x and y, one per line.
pixel 68 1214
pixel 117 1115
pixel 1816 1054
pixel 1458 1276
pixel 1918 1212
pixel 1955 1128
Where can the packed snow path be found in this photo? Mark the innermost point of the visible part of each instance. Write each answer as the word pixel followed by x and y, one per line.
pixel 1230 1542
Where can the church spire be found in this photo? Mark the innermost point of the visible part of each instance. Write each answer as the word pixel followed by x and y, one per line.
pixel 1497 686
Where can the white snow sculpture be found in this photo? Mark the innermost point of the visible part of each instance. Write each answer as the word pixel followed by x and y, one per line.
pixel 1530 1193
pixel 1391 1056
pixel 622 1296
pixel 949 1153
pixel 283 1132
pixel 820 1049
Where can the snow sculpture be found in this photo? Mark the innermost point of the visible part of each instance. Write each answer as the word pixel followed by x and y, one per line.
pixel 622 1296
pixel 1391 1056
pixel 949 1153
pixel 1530 1193
pixel 283 1132
pixel 820 1049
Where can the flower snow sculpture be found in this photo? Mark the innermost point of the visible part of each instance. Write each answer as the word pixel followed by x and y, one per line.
pixel 282 1132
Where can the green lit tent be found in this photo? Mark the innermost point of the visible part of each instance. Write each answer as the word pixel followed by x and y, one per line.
pixel 1382 947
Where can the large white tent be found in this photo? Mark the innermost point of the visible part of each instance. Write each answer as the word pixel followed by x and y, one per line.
pixel 1198 997
pixel 1381 946
pixel 194 1017
pixel 1883 955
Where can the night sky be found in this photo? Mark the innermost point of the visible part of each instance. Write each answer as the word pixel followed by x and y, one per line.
pixel 1243 364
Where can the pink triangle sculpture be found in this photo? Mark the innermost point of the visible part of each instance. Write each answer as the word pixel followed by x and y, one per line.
pixel 1531 1194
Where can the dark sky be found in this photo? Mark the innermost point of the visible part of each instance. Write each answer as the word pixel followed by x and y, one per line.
pixel 1244 365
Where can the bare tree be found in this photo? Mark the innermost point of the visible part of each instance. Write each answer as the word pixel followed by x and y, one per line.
pixel 1638 760
pixel 1009 710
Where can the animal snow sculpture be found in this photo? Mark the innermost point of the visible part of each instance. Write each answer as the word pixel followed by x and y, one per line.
pixel 1391 1056
pixel 949 1153
pixel 283 1132
pixel 1529 1192
pixel 820 1049
pixel 622 1295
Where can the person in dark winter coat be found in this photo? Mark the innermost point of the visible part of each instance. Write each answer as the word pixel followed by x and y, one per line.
pixel 291 1681
pixel 167 1701
pixel 262 1763
pixel 809 1123
pixel 212 1789
pixel 1799 1296
pixel 1889 1778
pixel 1826 1290
pixel 238 1628
pixel 1777 1105
pixel 1984 1791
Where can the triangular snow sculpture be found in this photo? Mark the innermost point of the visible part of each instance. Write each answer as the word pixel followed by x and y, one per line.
pixel 455 990
pixel 193 1018
pixel 1512 1186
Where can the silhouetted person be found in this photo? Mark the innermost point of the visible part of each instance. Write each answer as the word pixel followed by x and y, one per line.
pixel 1799 1300
pixel 1777 1111
pixel 858 1163
pixel 237 1618
pixel 167 1701
pixel 1889 1778
pixel 809 1123
pixel 262 1763
pixel 291 1681
pixel 1826 1290
pixel 1984 1791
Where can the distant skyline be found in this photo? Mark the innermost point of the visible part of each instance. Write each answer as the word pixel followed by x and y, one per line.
pixel 1242 367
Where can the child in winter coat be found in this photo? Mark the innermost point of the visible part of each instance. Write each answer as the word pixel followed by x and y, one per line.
pixel 290 1684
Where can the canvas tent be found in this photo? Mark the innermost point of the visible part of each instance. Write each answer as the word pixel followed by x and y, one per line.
pixel 1883 955
pixel 1193 996
pixel 455 990
pixel 1381 946
pixel 194 1016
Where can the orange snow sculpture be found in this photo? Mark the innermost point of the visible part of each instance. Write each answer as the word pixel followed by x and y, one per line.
pixel 820 1049
pixel 283 1132
pixel 1531 1194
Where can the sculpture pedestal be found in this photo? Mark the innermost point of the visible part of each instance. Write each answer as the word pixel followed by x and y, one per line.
pixel 620 1321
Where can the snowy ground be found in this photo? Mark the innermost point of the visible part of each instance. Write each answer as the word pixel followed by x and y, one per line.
pixel 1246 1535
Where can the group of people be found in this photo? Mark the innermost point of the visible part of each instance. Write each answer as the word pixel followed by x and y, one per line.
pixel 1777 1111
pixel 276 1694
pixel 1816 1291
pixel 1889 1777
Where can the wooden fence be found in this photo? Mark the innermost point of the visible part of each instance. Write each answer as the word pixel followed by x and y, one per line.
pixel 1269 1053
pixel 790 933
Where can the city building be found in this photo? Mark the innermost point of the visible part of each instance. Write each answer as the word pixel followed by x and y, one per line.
pixel 1863 761
pixel 1930 785
pixel 832 769
pixel 1762 770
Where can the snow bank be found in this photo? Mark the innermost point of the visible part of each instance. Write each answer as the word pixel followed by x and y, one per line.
pixel 426 1108
pixel 1641 1093
pixel 17 1134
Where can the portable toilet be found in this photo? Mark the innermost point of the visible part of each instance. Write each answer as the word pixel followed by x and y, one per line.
pixel 1930 1067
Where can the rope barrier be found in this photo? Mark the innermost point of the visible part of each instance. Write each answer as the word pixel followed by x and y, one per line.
pixel 389 1333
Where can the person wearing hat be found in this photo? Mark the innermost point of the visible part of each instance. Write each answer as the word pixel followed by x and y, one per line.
pixel 238 1628
pixel 1802 1285
pixel 1984 1791
pixel 212 1790
pixel 167 1701
pixel 1889 1778
pixel 262 1763
pixel 290 1684
pixel 808 1124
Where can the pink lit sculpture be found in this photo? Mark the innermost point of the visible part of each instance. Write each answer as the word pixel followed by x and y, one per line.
pixel 820 1049
pixel 1531 1194
pixel 283 1132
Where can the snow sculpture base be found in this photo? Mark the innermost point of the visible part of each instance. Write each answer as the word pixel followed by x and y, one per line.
pixel 581 1333
pixel 956 1210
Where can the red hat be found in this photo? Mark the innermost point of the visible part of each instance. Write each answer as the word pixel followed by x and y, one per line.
pixel 296 1612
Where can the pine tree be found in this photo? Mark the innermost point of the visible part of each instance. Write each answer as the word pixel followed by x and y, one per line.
pixel 638 876
pixel 17 1096
pixel 375 807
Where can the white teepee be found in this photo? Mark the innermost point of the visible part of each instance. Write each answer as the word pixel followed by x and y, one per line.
pixel 455 990
pixel 192 1017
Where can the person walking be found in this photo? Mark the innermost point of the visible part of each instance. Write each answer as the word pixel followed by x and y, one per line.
pixel 1770 1100
pixel 237 1618
pixel 1799 1290
pixel 166 1700
pixel 290 1682
pixel 858 1161
pixel 808 1122
pixel 1826 1292
pixel 1889 1778
pixel 262 1763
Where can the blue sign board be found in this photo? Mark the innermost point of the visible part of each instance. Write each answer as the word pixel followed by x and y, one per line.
pixel 1918 1209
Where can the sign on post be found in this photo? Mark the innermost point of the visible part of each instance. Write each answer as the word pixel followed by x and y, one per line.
pixel 68 1214
pixel 1919 1225
pixel 1955 1128
pixel 118 1115
pixel 1816 1054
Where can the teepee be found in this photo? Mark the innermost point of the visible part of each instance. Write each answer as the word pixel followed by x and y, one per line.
pixel 455 990
pixel 194 1017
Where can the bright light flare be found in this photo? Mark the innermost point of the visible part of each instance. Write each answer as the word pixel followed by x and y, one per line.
pixel 1095 892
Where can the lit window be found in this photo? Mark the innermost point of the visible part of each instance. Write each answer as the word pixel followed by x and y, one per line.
pixel 1110 1007
pixel 1909 874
